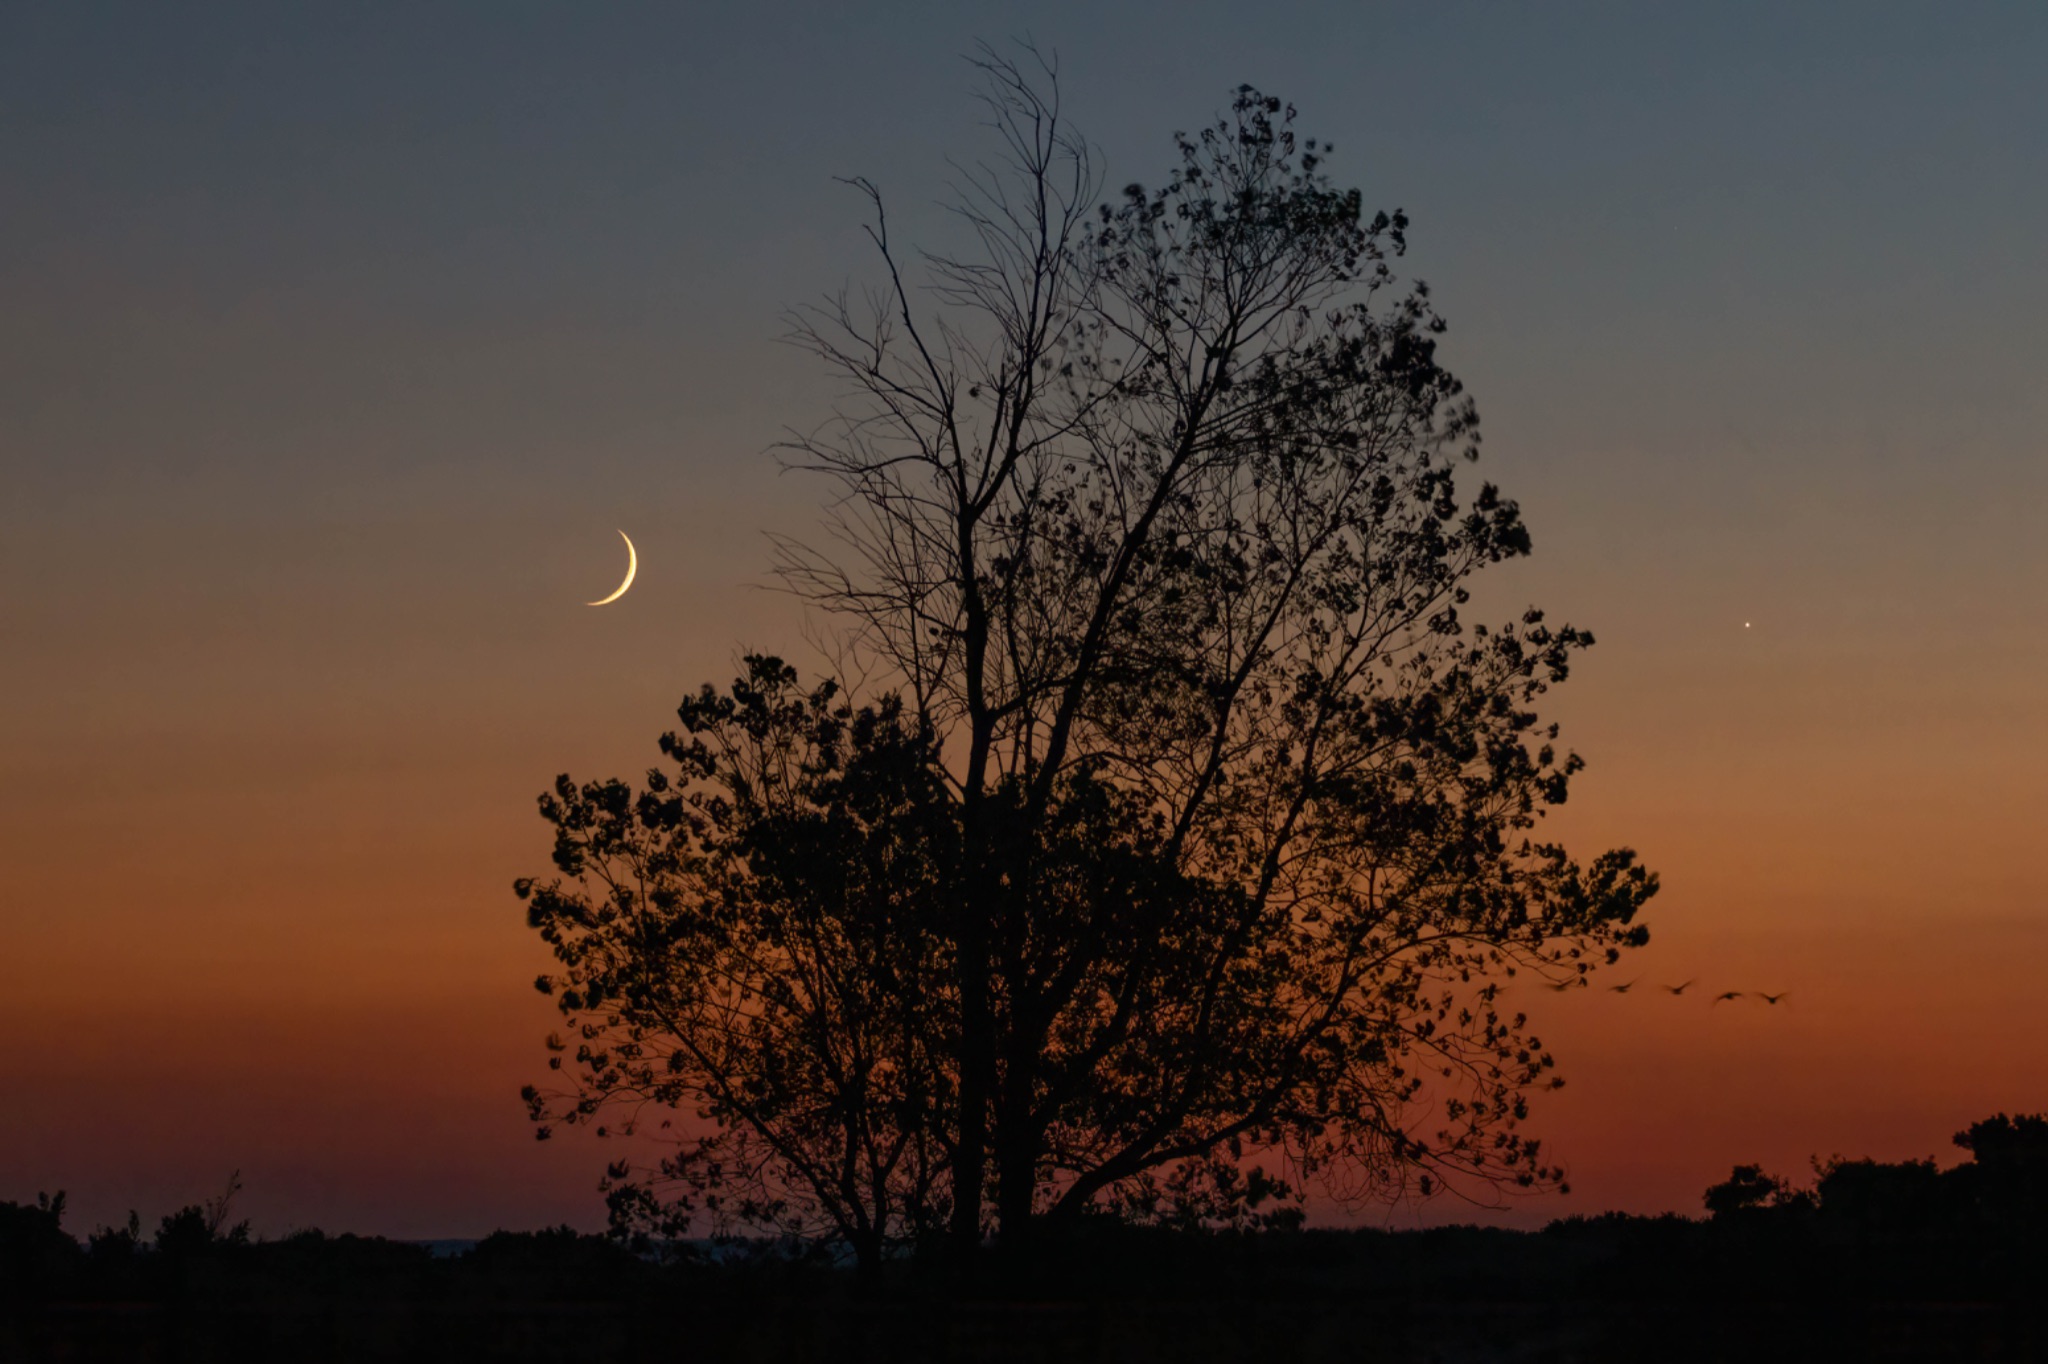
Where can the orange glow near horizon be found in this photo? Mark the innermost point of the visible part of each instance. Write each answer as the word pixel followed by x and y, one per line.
pixel 330 367
pixel 325 983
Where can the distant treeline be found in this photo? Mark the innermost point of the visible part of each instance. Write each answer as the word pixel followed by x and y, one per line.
pixel 1907 1252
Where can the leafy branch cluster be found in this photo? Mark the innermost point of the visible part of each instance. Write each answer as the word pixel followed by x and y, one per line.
pixel 1182 816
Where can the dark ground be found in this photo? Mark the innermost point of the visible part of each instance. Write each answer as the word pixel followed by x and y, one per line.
pixel 1758 1284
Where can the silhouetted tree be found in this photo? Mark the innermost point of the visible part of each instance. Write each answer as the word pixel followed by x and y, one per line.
pixel 108 1244
pixel 201 1227
pixel 2006 1179
pixel 35 1250
pixel 756 938
pixel 1152 522
pixel 1874 1201
pixel 1157 510
pixel 1749 1190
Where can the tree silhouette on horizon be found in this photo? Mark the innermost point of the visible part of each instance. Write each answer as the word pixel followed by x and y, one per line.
pixel 1192 825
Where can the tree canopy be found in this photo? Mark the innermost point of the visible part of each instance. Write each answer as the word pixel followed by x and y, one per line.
pixel 1179 818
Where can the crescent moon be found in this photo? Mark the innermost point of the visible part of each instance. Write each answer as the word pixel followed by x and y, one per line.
pixel 632 567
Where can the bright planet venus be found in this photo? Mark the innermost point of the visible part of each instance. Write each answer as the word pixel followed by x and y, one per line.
pixel 632 567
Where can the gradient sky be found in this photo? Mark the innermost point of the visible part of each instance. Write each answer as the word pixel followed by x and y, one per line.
pixel 336 341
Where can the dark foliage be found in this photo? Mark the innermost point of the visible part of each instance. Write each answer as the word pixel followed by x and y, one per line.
pixel 1748 1192
pixel 36 1254
pixel 1901 1261
pixel 756 938
pixel 1182 826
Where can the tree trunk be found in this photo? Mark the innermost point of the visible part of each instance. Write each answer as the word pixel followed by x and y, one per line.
pixel 970 1161
pixel 1016 1177
pixel 977 1052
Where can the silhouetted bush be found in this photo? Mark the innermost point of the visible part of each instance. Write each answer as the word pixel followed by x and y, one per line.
pixel 36 1253
pixel 1876 1257
pixel 1749 1192
pixel 2005 1184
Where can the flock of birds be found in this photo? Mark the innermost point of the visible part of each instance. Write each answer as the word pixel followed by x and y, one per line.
pixel 1676 990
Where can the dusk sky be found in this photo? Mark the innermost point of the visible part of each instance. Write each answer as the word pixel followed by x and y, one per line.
pixel 338 342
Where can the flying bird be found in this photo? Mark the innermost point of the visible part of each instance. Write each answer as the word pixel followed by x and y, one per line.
pixel 1681 989
pixel 1622 989
pixel 1562 985
pixel 1772 999
pixel 1727 994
